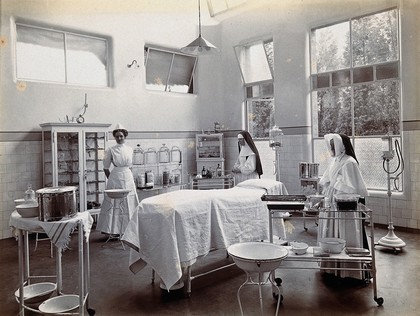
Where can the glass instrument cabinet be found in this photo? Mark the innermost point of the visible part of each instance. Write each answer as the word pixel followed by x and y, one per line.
pixel 210 153
pixel 73 156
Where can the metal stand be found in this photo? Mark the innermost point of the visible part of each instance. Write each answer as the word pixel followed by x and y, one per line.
pixel 250 281
pixel 390 240
pixel 120 212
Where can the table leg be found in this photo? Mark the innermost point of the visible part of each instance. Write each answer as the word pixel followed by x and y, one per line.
pixel 21 251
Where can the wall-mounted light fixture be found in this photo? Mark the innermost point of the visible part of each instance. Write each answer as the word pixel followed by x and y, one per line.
pixel 133 64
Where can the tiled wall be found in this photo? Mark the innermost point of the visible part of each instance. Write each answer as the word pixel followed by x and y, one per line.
pixel 20 164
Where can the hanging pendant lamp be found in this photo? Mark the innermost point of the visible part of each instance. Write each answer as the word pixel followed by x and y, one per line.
pixel 200 46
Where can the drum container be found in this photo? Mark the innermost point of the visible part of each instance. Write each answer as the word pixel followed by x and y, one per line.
pixel 54 203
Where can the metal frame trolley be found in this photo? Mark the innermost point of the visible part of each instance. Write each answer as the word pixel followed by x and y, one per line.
pixel 24 226
pixel 281 203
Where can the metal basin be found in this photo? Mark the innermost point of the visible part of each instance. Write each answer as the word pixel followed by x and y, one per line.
pixel 257 256
pixel 117 193
pixel 37 292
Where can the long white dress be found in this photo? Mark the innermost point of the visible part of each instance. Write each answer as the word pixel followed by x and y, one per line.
pixel 247 164
pixel 116 213
pixel 342 176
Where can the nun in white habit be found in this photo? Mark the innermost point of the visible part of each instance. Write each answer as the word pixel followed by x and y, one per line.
pixel 343 176
pixel 248 165
pixel 116 213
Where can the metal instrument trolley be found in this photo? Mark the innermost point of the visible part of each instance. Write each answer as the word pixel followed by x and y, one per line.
pixel 281 203
pixel 23 227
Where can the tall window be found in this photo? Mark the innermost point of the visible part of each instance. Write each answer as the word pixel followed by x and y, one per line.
pixel 169 71
pixel 356 88
pixel 48 55
pixel 256 64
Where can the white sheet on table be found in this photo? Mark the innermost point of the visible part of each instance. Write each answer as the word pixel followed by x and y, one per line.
pixel 176 228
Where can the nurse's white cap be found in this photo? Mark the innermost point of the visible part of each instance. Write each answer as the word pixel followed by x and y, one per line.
pixel 119 126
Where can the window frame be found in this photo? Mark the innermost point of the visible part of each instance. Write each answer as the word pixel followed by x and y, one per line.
pixel 352 85
pixel 258 85
pixel 191 87
pixel 64 32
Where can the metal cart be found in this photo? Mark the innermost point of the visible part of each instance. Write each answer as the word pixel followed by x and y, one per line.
pixel 276 204
pixel 23 227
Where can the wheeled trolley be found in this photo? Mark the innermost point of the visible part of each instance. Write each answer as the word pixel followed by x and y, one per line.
pixel 366 258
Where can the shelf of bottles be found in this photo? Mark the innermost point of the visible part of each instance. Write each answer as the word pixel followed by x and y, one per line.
pixel 157 167
pixel 210 155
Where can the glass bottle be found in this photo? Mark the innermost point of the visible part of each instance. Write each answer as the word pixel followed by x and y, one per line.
pixel 218 170
pixel 29 194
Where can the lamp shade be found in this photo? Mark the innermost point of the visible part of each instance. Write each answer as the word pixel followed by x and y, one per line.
pixel 200 46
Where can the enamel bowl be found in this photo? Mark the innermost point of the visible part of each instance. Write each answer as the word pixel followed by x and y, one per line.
pixel 37 292
pixel 257 256
pixel 332 245
pixel 60 304
pixel 299 248
pixel 117 193
pixel 27 210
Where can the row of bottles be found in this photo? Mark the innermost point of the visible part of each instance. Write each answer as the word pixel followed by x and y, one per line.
pixel 209 173
pixel 151 156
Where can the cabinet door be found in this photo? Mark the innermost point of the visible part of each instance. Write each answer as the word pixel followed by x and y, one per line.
pixel 93 175
pixel 209 146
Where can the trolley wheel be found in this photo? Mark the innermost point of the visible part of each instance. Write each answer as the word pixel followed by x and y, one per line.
pixel 306 229
pixel 91 311
pixel 278 281
pixel 379 300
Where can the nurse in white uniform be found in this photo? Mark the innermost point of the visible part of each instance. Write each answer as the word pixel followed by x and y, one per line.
pixel 342 176
pixel 248 164
pixel 120 158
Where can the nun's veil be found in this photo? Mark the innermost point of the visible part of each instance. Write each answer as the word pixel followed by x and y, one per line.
pixel 348 146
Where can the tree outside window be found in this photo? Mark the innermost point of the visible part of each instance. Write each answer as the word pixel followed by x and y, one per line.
pixel 356 88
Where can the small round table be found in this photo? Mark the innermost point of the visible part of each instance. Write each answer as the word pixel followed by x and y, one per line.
pixel 258 257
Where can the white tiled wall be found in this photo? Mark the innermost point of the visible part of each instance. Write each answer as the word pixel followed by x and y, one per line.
pixel 20 164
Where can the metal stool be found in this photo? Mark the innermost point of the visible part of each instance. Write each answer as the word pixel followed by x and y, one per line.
pixel 258 257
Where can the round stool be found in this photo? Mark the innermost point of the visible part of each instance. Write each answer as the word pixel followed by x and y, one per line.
pixel 258 257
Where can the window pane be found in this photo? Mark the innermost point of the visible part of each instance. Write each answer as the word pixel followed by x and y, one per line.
pixel 39 54
pixel 86 60
pixel 334 111
pixel 375 38
pixel 363 74
pixel 369 153
pixel 253 62
pixel 157 69
pixel 341 78
pixel 330 48
pixel 387 71
pixel 320 81
pixel 181 74
pixel 258 91
pixel 260 117
pixel 269 52
pixel 377 109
